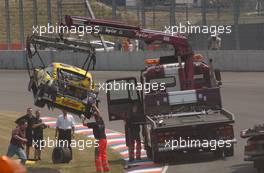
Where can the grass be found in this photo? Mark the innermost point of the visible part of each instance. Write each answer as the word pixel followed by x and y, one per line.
pixel 83 160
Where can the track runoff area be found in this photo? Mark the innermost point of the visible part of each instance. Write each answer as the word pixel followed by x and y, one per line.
pixel 242 94
pixel 117 142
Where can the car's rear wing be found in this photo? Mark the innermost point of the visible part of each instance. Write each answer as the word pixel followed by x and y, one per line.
pixel 61 44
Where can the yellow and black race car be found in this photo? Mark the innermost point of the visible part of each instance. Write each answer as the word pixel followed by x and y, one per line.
pixel 63 86
pixel 60 85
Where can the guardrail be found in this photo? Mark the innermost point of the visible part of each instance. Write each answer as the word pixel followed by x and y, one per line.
pixel 225 60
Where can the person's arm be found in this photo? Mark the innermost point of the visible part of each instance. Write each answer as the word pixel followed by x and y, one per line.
pixel 57 127
pixel 83 122
pixel 15 134
pixel 37 125
pixel 209 44
pixel 220 43
pixel 19 138
pixel 73 128
pixel 97 111
pixel 91 125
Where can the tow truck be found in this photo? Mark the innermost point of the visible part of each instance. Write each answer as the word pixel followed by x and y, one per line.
pixel 185 104
pixel 254 149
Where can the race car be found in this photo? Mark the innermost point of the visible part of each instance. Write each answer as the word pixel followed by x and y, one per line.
pixel 65 87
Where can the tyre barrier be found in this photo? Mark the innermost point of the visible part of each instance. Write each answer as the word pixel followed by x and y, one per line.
pixel 61 155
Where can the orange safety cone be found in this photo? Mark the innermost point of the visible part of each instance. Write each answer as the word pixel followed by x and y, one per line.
pixel 10 166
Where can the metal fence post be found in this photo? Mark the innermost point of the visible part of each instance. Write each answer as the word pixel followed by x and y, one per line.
pixel 59 11
pixel 186 12
pixel 138 10
pixel 236 7
pixel 113 9
pixel 143 17
pixel 21 23
pixel 49 11
pixel 172 13
pixel 218 9
pixel 203 11
pixel 8 33
pixel 154 13
pixel 35 13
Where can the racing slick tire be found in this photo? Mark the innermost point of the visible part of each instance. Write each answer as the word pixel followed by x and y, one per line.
pixel 61 155
pixel 229 152
pixel 39 102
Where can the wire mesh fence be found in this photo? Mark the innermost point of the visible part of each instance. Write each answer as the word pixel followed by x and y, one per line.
pixel 19 16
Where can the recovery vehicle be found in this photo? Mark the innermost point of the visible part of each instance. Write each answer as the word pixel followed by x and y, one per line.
pixel 183 104
pixel 60 85
pixel 254 149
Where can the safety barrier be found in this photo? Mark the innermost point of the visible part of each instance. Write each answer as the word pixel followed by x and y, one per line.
pixel 225 60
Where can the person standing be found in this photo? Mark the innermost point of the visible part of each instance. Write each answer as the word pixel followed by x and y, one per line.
pixel 17 142
pixel 132 132
pixel 65 129
pixel 38 127
pixel 29 118
pixel 125 45
pixel 98 127
pixel 214 43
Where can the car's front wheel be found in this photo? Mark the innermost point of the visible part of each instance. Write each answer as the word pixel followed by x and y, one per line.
pixel 39 102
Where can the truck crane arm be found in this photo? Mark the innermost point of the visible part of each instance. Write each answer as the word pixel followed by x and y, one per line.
pixel 183 52
pixel 114 28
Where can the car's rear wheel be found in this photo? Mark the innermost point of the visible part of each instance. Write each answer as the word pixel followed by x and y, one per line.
pixel 38 101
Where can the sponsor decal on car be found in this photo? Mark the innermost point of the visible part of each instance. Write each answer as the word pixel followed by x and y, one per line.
pixel 70 103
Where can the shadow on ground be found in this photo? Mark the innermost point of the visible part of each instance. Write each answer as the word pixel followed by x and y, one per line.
pixel 244 168
pixel 42 170
pixel 191 158
pixel 116 162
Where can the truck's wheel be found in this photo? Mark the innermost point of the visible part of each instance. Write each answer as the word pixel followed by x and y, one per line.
pixel 149 152
pixel 155 156
pixel 229 152
pixel 219 153
pixel 258 164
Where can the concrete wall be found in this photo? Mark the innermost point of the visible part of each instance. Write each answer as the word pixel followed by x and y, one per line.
pixel 228 60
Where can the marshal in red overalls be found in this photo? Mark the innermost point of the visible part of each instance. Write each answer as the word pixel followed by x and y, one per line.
pixel 98 127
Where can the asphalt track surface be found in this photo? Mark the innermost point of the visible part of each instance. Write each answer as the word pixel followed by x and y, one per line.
pixel 242 94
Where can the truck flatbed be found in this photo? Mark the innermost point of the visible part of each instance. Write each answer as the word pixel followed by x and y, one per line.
pixel 192 118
